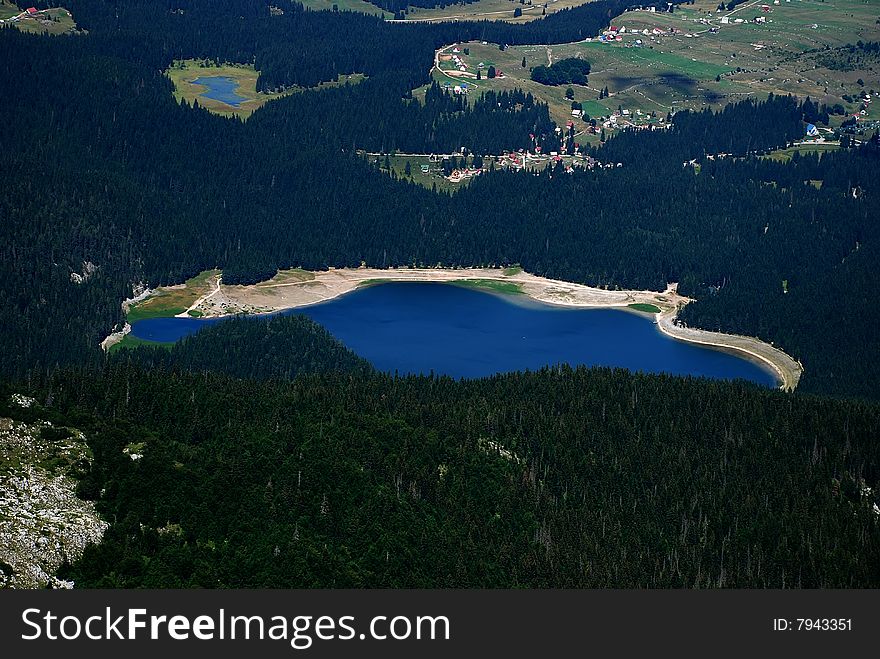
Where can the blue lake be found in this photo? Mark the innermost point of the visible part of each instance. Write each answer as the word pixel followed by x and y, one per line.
pixel 220 88
pixel 419 328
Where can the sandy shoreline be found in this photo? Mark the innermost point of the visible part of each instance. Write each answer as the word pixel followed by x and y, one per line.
pixel 292 289
pixel 787 370
pixel 297 288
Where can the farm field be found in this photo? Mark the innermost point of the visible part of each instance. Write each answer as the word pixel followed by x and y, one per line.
pixel 690 60
pixel 184 72
pixel 57 20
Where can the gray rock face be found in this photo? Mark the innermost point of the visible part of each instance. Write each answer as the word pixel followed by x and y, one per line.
pixel 42 522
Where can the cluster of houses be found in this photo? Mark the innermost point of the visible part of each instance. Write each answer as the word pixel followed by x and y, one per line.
pixel 30 12
pixel 866 106
pixel 460 67
pixel 533 158
pixel 460 64
pixel 765 9
pixel 709 156
pixel 756 19
pixel 459 175
pixel 615 33
pixel 861 115
pixel 522 159
pixel 621 118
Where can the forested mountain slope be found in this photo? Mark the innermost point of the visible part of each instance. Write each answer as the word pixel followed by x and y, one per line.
pixel 281 347
pixel 273 456
pixel 583 478
pixel 104 168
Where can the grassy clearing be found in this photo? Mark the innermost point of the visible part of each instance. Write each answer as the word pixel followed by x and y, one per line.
pixel 57 20
pixel 430 179
pixel 512 270
pixel 784 155
pixel 170 301
pixel 161 306
pixel 644 307
pixel 346 5
pixel 433 178
pixel 494 10
pixel 184 72
pixel 492 285
pixel 673 71
pixel 129 341
pixel 648 59
pixel 509 62
pixel 758 58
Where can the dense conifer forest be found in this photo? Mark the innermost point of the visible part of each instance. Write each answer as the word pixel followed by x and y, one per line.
pixel 396 6
pixel 86 179
pixel 582 478
pixel 567 71
pixel 281 347
pixel 275 457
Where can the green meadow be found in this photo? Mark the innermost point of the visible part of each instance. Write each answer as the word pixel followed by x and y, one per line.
pixel 696 62
pixel 172 300
pixel 183 73
pixel 492 285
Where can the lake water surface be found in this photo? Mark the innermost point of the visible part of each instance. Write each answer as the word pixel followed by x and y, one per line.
pixel 220 88
pixel 422 327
